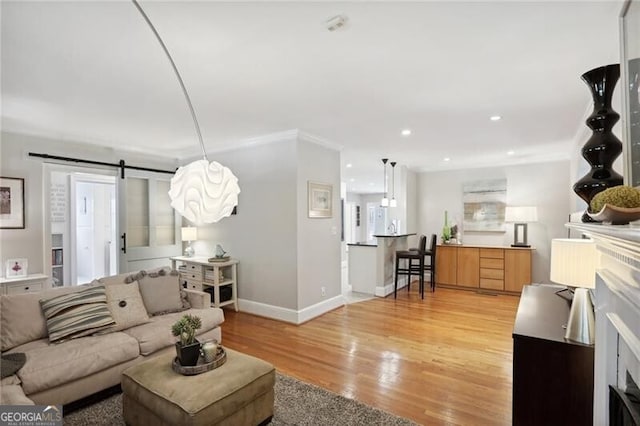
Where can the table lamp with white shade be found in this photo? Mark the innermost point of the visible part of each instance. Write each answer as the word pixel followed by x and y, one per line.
pixel 520 216
pixel 573 263
pixel 189 233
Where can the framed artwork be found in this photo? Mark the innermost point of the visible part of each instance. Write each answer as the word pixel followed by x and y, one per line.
pixel 484 205
pixel 320 196
pixel 16 268
pixel 11 203
pixel 630 79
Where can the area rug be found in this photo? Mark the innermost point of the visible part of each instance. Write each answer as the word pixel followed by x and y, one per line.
pixel 296 403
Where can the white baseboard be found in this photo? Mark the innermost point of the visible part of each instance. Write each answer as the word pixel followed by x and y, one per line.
pixel 318 309
pixel 290 315
pixel 388 289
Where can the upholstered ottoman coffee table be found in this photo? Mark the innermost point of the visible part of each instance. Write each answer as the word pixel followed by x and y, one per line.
pixel 240 392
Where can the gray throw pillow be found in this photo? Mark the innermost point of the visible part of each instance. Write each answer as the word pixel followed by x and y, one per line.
pixel 11 363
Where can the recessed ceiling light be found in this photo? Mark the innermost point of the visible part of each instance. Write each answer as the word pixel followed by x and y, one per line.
pixel 447 159
pixel 371 184
pixel 352 180
pixel 349 165
pixel 495 118
pixel 406 132
pixel 510 152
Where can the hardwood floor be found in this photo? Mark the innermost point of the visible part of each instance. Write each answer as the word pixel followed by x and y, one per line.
pixel 444 360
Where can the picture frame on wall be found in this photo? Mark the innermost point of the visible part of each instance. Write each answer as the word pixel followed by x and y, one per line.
pixel 16 268
pixel 484 203
pixel 11 203
pixel 320 200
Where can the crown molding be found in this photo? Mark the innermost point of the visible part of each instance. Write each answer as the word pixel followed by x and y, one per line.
pixel 308 137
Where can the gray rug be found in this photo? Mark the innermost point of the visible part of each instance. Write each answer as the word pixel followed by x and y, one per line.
pixel 296 403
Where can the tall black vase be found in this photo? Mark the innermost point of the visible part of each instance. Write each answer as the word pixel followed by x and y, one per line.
pixel 603 147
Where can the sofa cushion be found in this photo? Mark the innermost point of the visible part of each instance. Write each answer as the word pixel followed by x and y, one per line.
pixel 161 291
pixel 157 335
pixel 21 318
pixel 50 365
pixel 126 306
pixel 13 395
pixel 77 314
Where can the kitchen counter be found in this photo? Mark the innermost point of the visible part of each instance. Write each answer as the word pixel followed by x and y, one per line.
pixel 372 264
pixel 369 244
pixel 485 246
pixel 394 235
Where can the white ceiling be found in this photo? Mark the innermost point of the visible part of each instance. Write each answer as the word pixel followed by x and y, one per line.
pixel 93 72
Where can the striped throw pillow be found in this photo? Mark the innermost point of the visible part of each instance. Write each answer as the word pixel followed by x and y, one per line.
pixel 77 314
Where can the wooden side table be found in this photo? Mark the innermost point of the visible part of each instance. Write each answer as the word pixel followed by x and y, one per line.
pixel 198 273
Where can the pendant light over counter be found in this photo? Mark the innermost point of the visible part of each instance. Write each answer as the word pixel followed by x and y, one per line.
pixel 385 200
pixel 393 202
pixel 201 191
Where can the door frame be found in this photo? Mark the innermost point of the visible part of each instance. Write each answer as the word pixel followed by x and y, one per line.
pixel 68 246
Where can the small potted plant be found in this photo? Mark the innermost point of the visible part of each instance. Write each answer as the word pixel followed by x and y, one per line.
pixel 188 348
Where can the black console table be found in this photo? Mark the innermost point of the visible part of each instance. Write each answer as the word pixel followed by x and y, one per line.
pixel 552 378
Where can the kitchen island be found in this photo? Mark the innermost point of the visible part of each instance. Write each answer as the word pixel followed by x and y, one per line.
pixel 372 264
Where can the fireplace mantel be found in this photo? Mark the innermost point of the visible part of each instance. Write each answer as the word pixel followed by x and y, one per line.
pixel 617 308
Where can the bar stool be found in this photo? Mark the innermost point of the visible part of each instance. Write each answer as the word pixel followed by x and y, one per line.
pixel 431 266
pixel 411 268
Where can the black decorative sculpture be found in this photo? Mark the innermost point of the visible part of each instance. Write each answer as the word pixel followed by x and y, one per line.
pixel 603 147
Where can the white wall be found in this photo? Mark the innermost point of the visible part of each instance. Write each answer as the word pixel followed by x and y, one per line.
pixel 285 257
pixel 263 235
pixel 412 207
pixel 32 242
pixel 542 185
pixel 319 248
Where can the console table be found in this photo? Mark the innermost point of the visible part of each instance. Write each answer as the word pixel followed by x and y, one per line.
pixel 494 269
pixel 25 284
pixel 552 378
pixel 197 273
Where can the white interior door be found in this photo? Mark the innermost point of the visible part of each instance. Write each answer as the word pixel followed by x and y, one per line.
pixel 93 227
pixel 371 220
pixel 148 227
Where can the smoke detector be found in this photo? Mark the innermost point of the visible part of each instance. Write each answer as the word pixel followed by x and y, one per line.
pixel 336 22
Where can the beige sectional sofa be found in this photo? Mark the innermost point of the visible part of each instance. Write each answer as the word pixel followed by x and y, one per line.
pixel 59 373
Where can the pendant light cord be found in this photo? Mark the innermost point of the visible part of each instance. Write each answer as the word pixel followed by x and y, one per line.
pixel 175 69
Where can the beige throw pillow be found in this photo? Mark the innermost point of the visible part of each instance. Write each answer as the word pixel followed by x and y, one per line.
pixel 126 306
pixel 161 292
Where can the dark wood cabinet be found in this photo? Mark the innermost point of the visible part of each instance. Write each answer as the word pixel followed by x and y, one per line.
pixel 552 378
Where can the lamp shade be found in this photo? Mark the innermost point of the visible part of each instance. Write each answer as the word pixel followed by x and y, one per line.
pixel 573 262
pixel 521 214
pixel 204 192
pixel 189 233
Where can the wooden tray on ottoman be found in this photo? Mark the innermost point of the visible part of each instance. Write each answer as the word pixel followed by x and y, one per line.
pixel 201 366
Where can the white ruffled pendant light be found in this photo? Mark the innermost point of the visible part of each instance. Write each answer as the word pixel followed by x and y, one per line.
pixel 202 191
